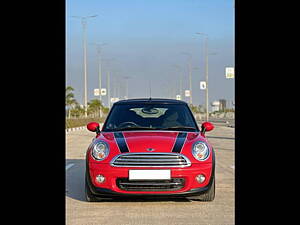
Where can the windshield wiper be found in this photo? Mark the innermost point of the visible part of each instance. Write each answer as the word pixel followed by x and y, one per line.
pixel 180 128
pixel 133 128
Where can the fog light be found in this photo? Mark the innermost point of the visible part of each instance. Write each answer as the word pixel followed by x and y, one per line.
pixel 200 178
pixel 100 178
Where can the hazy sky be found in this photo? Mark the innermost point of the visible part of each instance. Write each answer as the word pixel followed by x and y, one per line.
pixel 146 38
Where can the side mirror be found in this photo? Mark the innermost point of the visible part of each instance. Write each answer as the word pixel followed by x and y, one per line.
pixel 206 126
pixel 94 127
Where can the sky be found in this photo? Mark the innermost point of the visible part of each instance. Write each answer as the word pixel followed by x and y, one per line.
pixel 151 42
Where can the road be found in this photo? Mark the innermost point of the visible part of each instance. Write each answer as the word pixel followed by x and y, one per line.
pixel 144 212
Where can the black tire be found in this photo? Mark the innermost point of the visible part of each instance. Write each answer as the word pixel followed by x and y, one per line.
pixel 207 196
pixel 88 194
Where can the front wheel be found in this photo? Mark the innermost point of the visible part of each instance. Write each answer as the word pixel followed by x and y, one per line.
pixel 207 196
pixel 88 194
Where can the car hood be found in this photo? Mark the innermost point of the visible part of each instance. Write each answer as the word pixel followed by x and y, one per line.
pixel 150 141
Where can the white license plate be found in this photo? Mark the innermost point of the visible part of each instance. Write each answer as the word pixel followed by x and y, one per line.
pixel 149 174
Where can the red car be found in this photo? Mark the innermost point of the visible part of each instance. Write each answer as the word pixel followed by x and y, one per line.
pixel 150 148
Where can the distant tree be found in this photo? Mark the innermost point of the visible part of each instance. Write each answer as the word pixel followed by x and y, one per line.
pixel 194 108
pixel 70 100
pixel 94 106
pixel 105 110
pixel 77 111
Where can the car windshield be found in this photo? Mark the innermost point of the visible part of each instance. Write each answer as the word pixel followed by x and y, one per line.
pixel 150 117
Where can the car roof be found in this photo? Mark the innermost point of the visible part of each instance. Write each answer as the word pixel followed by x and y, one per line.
pixel 150 101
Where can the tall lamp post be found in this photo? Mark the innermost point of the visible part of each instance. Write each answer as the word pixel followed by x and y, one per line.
pixel 127 91
pixel 84 25
pixel 98 46
pixel 206 69
pixel 190 73
pixel 178 68
pixel 108 60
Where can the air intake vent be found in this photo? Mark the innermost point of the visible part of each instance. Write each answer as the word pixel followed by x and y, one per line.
pixel 150 160
pixel 151 185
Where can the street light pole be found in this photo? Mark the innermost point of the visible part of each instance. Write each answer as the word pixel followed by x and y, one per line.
pixel 206 77
pixel 190 79
pixel 190 74
pixel 108 89
pixel 100 72
pixel 84 25
pixel 206 71
pixel 127 90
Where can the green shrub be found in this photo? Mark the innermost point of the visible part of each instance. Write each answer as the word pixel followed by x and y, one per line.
pixel 80 122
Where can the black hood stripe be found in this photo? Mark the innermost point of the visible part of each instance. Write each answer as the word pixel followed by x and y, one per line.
pixel 179 142
pixel 121 142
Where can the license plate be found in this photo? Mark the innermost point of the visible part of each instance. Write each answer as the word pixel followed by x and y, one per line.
pixel 149 174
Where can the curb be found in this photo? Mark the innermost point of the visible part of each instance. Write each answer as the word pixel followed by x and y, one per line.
pixel 78 128
pixel 75 128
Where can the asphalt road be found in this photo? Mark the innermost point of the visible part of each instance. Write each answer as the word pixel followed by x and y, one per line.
pixel 144 212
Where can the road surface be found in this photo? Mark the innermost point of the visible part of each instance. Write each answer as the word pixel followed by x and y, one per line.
pixel 152 212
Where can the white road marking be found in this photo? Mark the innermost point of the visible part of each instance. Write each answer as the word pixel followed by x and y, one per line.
pixel 232 167
pixel 69 166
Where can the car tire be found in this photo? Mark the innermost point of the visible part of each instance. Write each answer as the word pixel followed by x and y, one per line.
pixel 88 194
pixel 207 196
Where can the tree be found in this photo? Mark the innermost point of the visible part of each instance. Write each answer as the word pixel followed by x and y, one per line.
pixel 70 100
pixel 194 108
pixel 78 111
pixel 94 106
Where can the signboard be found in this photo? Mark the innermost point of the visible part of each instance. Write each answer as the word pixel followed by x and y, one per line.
pixel 178 97
pixel 103 91
pixel 187 93
pixel 96 92
pixel 202 85
pixel 229 72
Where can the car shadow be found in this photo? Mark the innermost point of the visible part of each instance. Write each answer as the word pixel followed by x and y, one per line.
pixel 75 175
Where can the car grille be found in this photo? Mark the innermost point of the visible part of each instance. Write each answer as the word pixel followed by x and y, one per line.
pixel 150 160
pixel 150 185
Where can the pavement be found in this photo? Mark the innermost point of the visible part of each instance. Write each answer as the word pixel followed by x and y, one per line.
pixel 153 211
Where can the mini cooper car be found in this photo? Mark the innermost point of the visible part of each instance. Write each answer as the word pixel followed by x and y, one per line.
pixel 150 148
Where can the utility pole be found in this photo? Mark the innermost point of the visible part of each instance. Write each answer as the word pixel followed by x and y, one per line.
pixel 84 26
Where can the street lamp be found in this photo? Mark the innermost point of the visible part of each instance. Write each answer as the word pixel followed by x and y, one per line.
pixel 190 73
pixel 108 60
pixel 206 69
pixel 84 25
pixel 98 46
pixel 126 78
pixel 178 68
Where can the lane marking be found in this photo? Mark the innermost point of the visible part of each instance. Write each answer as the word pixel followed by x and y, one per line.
pixel 232 167
pixel 69 166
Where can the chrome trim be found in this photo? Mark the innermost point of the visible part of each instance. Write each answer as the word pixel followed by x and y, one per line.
pixel 151 185
pixel 179 164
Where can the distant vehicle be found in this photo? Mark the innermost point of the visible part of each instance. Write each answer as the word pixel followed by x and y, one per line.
pixel 150 148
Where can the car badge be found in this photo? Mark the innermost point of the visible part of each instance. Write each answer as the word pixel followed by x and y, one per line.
pixel 150 149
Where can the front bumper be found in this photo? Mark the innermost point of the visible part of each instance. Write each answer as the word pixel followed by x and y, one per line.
pixel 110 189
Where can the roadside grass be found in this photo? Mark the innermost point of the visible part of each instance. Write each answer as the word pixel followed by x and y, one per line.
pixel 80 122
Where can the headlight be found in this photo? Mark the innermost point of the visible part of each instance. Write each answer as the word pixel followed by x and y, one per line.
pixel 100 150
pixel 200 151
